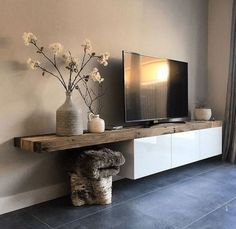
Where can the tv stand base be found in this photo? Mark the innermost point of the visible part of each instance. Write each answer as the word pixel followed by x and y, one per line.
pixel 157 153
pixel 153 123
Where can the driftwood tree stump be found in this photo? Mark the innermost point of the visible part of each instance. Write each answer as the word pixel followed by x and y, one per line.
pixel 91 176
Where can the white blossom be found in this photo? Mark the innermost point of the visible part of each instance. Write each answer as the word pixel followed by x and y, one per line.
pixel 56 48
pixel 68 59
pixel 33 63
pixel 101 80
pixel 103 58
pixel 95 75
pixel 75 60
pixel 29 38
pixel 87 46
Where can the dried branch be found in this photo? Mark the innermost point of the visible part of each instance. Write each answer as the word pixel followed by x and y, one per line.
pixel 76 79
pixel 54 65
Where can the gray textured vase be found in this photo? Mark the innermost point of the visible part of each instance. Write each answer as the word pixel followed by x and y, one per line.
pixel 69 120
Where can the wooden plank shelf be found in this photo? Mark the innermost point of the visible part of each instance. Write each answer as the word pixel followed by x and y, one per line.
pixel 51 142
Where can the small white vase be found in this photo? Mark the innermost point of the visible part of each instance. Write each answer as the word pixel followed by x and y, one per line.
pixel 95 124
pixel 69 120
pixel 202 114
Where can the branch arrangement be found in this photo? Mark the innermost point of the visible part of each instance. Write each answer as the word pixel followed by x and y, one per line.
pixel 76 78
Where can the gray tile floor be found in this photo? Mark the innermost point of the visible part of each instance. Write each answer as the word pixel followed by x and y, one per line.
pixel 197 196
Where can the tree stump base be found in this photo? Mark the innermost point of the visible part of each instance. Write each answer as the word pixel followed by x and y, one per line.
pixel 90 191
pixel 91 176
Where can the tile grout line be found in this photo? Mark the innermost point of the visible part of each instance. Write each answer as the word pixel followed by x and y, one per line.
pixel 38 219
pixel 142 195
pixel 227 202
pixel 83 217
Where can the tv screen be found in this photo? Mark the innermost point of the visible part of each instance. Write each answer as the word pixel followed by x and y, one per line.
pixel 154 88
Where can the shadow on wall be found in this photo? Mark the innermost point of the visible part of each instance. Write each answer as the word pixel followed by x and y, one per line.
pixel 13 67
pixel 29 171
pixel 5 42
pixel 17 66
pixel 113 100
pixel 33 115
pixel 10 66
pixel 37 123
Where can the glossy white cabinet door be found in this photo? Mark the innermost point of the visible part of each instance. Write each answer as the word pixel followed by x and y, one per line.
pixel 210 142
pixel 127 149
pixel 152 155
pixel 185 148
pixel 146 156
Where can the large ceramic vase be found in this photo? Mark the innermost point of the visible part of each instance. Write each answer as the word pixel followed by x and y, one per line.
pixel 69 120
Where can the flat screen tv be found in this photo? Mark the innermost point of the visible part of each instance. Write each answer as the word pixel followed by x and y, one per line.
pixel 155 89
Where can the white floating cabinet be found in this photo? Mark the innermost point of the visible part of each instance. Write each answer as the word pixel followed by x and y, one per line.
pixel 210 142
pixel 185 148
pixel 145 156
pixel 149 155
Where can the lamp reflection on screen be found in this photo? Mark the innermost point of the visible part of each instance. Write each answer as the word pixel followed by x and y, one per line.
pixel 162 72
pixel 155 72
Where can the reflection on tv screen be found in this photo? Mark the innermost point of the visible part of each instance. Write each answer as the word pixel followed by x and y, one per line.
pixel 155 88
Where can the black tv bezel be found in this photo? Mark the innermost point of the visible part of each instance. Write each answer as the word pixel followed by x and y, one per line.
pixel 151 120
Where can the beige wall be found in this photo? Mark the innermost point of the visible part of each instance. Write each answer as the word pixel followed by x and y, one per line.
pixel 219 24
pixel 174 29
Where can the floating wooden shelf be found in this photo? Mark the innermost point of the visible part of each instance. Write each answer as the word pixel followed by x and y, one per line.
pixel 51 142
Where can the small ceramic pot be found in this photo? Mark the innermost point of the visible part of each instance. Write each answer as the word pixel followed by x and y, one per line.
pixel 202 114
pixel 95 124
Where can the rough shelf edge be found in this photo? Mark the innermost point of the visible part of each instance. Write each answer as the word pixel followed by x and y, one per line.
pixel 126 134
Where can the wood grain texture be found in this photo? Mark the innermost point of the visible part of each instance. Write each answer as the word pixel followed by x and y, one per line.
pixel 51 142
